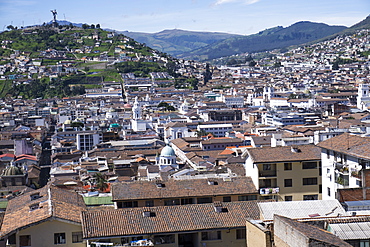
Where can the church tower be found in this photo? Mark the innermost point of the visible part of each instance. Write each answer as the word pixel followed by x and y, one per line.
pixel 184 107
pixel 136 110
pixel 363 98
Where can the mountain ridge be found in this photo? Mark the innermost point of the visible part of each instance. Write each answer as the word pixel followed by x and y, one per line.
pixel 268 39
pixel 177 41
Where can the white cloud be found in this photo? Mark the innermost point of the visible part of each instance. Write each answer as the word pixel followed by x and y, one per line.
pixel 247 2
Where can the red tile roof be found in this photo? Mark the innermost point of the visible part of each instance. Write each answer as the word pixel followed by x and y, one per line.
pixel 52 203
pixel 346 143
pixel 182 188
pixel 280 154
pixel 167 219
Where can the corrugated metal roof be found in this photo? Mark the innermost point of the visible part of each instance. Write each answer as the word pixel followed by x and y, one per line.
pixel 94 200
pixel 357 230
pixel 301 209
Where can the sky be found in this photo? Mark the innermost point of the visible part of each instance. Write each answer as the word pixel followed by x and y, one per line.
pixel 228 16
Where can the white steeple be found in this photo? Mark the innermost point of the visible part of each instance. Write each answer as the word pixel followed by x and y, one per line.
pixel 136 110
pixel 363 98
pixel 268 93
pixel 184 107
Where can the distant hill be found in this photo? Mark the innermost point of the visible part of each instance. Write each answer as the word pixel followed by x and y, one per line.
pixel 364 24
pixel 269 39
pixel 176 41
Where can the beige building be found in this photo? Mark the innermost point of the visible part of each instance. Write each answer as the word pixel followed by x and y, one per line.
pixel 286 173
pixel 46 217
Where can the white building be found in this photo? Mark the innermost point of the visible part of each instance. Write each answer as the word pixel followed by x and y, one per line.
pixel 217 130
pixel 85 141
pixel 233 101
pixel 281 140
pixel 174 130
pixel 363 98
pixel 343 158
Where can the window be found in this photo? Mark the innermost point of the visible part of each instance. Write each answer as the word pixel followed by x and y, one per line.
pixel 149 203
pixel 125 240
pixel 185 201
pixel 171 202
pixel 310 197
pixel 287 166
pixel 309 165
pixel 76 237
pixel 34 206
pixel 364 243
pixel 266 167
pixel 35 196
pixel 265 183
pixel 226 199
pixel 129 204
pixel 288 198
pixel 309 181
pixel 247 198
pixel 12 239
pixel 288 182
pixel 328 191
pixel 204 200
pixel 25 240
pixel 149 214
pixel 328 153
pixel 240 233
pixel 59 238
pixel 164 239
pixel 211 235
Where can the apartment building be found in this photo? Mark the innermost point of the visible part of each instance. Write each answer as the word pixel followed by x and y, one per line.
pixel 287 173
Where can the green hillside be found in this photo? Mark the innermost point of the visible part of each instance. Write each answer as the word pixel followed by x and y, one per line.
pixel 46 61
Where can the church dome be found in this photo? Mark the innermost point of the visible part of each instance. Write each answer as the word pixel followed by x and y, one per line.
pixel 167 151
pixel 12 170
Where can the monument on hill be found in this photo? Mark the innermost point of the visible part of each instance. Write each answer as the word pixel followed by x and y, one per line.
pixel 54 12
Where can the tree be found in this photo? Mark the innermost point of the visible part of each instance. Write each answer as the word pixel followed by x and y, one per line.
pixel 85 26
pixel 77 125
pixel 100 181
pixel 92 26
pixel 98 26
pixel 201 133
pixel 166 107
pixel 252 63
pixel 171 108
pixel 277 64
pixel 193 83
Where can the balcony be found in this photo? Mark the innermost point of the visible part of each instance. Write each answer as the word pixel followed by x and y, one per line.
pixel 269 191
pixel 267 173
